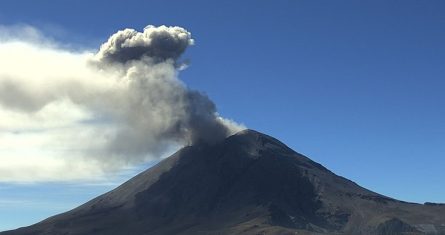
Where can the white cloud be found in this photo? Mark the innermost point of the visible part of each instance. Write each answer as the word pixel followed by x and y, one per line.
pixel 48 145
pixel 42 138
pixel 66 116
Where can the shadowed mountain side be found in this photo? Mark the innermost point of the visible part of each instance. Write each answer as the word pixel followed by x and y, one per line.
pixel 248 184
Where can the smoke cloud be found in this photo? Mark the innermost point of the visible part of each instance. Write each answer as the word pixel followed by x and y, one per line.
pixel 108 109
pixel 158 43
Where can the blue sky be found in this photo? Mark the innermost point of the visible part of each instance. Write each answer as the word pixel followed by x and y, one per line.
pixel 355 85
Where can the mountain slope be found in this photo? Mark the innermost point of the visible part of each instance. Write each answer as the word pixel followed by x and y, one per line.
pixel 249 184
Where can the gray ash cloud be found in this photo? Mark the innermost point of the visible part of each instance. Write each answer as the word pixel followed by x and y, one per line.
pixel 132 85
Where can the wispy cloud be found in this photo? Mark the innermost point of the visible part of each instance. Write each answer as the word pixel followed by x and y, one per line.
pixel 33 204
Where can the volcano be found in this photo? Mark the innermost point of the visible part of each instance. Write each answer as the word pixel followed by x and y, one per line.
pixel 250 183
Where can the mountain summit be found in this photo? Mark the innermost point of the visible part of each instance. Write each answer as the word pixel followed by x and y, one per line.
pixel 250 183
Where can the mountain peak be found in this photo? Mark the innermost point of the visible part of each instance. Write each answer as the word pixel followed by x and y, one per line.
pixel 253 134
pixel 256 141
pixel 248 132
pixel 250 183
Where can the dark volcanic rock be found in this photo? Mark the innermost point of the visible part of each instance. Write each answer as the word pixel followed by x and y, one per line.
pixel 249 184
pixel 394 226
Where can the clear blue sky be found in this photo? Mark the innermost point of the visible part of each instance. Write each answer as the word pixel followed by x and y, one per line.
pixel 357 86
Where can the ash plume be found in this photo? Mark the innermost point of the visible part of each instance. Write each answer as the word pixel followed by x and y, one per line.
pixel 156 101
pixel 158 43
pixel 126 98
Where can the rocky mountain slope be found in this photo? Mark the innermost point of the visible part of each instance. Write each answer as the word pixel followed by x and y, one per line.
pixel 249 184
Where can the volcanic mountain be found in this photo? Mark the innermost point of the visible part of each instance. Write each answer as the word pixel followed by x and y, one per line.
pixel 250 183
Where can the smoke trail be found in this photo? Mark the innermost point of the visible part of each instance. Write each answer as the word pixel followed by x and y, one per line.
pixel 130 103
pixel 157 106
